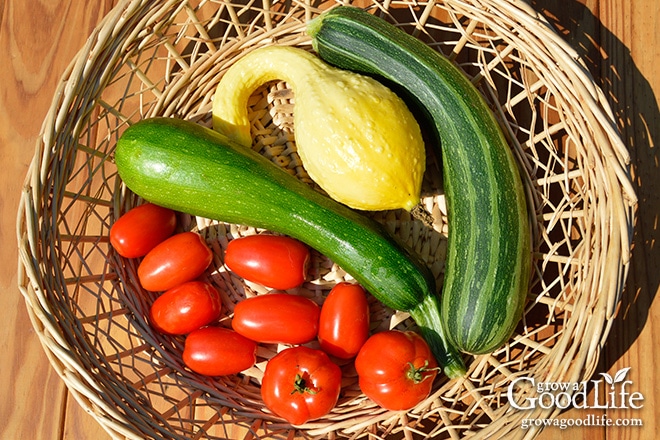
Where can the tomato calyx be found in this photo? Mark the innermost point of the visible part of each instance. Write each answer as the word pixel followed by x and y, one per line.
pixel 300 385
pixel 419 374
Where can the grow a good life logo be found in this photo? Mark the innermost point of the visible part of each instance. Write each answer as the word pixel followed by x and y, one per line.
pixel 562 395
pixel 610 392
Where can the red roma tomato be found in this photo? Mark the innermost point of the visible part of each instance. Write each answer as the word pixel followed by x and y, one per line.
pixel 181 258
pixel 139 230
pixel 274 261
pixel 218 351
pixel 185 308
pixel 277 318
pixel 301 384
pixel 396 369
pixel 344 321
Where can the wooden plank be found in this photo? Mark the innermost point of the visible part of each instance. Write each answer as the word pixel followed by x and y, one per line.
pixel 630 35
pixel 37 41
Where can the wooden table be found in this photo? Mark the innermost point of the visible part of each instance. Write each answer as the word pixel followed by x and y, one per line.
pixel 618 39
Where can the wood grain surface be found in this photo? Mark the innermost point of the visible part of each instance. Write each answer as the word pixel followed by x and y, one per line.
pixel 619 41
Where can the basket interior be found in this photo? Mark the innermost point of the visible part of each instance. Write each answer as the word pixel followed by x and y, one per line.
pixel 166 60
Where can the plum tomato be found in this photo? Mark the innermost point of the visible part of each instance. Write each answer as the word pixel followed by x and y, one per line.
pixel 180 258
pixel 396 369
pixel 301 384
pixel 185 308
pixel 218 351
pixel 275 261
pixel 344 321
pixel 140 229
pixel 277 318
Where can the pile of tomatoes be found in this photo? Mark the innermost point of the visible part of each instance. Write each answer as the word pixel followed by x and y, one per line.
pixel 395 368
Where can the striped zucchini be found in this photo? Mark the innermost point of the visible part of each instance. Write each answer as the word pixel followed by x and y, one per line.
pixel 488 258
pixel 189 168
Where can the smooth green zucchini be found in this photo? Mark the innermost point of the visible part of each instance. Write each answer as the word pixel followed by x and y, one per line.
pixel 488 261
pixel 189 168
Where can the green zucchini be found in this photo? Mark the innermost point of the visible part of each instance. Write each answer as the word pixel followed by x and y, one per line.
pixel 488 262
pixel 189 168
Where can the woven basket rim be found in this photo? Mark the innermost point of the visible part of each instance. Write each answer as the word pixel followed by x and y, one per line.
pixel 85 388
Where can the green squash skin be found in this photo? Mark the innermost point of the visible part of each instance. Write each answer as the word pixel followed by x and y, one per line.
pixel 192 169
pixel 488 262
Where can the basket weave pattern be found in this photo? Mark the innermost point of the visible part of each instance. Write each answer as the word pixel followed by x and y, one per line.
pixel 165 59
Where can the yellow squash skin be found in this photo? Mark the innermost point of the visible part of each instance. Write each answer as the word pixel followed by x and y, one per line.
pixel 356 138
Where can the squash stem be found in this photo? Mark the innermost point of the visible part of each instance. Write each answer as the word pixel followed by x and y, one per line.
pixel 427 316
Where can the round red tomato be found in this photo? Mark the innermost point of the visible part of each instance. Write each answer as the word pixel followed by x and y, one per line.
pixel 185 308
pixel 218 351
pixel 139 230
pixel 344 321
pixel 277 318
pixel 274 261
pixel 301 384
pixel 396 369
pixel 182 257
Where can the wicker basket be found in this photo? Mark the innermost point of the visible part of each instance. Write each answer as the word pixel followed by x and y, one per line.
pixel 165 58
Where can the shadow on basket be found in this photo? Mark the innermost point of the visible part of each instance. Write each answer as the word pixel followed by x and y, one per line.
pixel 636 113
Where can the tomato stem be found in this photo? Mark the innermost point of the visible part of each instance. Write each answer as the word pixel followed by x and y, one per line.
pixel 300 385
pixel 418 375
